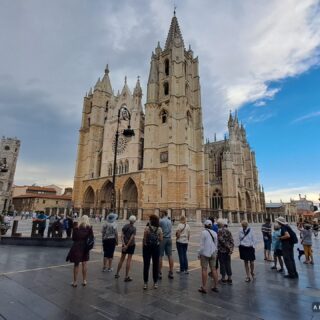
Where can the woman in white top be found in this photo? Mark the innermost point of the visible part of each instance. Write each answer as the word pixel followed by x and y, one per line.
pixel 247 249
pixel 182 239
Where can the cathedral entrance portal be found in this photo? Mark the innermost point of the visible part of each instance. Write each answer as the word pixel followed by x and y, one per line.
pixel 106 196
pixel 130 197
pixel 88 202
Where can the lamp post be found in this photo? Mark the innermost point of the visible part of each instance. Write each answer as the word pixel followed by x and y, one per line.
pixel 123 114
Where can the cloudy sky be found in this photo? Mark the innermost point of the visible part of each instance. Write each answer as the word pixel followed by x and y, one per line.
pixel 260 57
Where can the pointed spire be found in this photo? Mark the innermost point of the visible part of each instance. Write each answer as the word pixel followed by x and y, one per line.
pixel 174 33
pixel 236 116
pixel 137 90
pixel 90 92
pixel 158 49
pixel 215 137
pixel 105 84
pixel 230 121
pixel 97 85
pixel 125 89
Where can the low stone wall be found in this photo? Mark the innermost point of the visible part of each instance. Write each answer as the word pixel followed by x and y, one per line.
pixel 42 242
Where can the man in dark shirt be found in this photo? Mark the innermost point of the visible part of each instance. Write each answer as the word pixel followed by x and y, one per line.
pixel 287 249
pixel 266 230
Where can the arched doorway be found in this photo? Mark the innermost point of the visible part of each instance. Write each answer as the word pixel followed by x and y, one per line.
pixel 88 200
pixel 106 196
pixel 130 197
pixel 248 202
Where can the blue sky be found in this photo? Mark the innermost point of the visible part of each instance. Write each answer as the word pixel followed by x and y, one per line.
pixel 285 134
pixel 258 57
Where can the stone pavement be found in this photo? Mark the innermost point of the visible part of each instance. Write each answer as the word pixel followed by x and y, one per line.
pixel 35 284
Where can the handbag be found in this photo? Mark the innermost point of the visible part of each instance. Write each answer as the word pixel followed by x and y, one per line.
pixel 90 242
pixel 178 232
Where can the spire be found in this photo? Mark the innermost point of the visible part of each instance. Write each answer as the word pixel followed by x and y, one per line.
pixel 215 137
pixel 174 33
pixel 153 75
pixel 137 90
pixel 97 85
pixel 105 84
pixel 125 89
pixel 230 121
pixel 90 92
pixel 236 116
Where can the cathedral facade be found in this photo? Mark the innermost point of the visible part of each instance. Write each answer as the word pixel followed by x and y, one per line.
pixel 165 165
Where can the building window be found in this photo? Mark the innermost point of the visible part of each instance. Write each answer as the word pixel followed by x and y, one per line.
pixel 43 201
pixel 163 156
pixel 166 67
pixel 166 88
pixel 57 202
pixel 217 202
pixel 189 118
pixel 126 167
pixel 164 116
pixel 7 148
pixel 88 122
pixel 110 170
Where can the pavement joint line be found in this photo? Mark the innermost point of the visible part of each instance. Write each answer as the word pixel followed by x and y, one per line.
pixel 136 258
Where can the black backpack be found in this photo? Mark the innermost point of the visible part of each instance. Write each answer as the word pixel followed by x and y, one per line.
pixel 152 237
pixel 293 237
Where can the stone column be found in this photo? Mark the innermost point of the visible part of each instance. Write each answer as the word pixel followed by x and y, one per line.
pixel 238 217
pixel 245 216
pixel 169 213
pixel 220 213
pixel 65 212
pixel 91 211
pixel 50 211
pixel 80 212
pixel 198 216
pixel 103 213
pixel 230 217
pixel 156 212
pixel 183 212
pixel 125 214
pixel 139 214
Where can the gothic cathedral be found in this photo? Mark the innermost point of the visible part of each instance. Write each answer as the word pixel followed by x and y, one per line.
pixel 165 165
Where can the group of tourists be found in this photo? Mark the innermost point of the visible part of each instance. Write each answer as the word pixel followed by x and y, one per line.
pixel 216 247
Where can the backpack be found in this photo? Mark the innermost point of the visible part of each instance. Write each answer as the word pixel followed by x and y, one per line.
pixel 152 237
pixel 293 237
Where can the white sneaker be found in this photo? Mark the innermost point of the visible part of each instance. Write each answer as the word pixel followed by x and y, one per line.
pixel 110 269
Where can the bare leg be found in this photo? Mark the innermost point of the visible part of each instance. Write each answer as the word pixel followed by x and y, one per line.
pixel 252 268
pixel 246 266
pixel 75 273
pixel 214 277
pixel 123 256
pixel 105 262
pixel 128 265
pixel 84 271
pixel 204 277
pixel 109 263
pixel 280 262
pixel 170 258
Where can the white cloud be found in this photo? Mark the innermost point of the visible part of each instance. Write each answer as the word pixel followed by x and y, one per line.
pixel 312 192
pixel 307 117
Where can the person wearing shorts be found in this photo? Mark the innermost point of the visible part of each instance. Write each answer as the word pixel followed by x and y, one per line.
pixel 109 241
pixel 128 247
pixel 277 248
pixel 266 230
pixel 208 256
pixel 166 244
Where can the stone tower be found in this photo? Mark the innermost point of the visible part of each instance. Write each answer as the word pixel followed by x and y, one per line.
pixel 9 150
pixel 173 149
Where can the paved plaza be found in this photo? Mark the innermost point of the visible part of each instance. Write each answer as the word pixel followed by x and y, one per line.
pixel 35 284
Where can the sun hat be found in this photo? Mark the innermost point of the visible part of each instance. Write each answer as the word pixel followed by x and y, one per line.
pixel 132 219
pixel 112 217
pixel 208 223
pixel 281 220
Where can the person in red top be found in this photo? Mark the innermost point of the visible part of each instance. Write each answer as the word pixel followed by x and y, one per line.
pixel 79 252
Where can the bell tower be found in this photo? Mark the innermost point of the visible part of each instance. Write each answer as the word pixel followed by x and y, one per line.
pixel 173 149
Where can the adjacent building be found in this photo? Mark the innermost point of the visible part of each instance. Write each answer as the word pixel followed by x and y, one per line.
pixel 35 199
pixel 166 165
pixel 9 151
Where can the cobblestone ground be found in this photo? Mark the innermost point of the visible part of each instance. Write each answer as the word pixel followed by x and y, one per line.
pixel 35 284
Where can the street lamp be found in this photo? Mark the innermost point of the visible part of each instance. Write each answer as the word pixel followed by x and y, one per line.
pixel 123 114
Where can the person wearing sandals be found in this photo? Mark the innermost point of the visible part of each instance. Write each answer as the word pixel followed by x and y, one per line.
pixel 128 247
pixel 152 237
pixel 109 241
pixel 208 255
pixel 266 230
pixel 225 249
pixel 78 252
pixel 182 239
pixel 247 249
